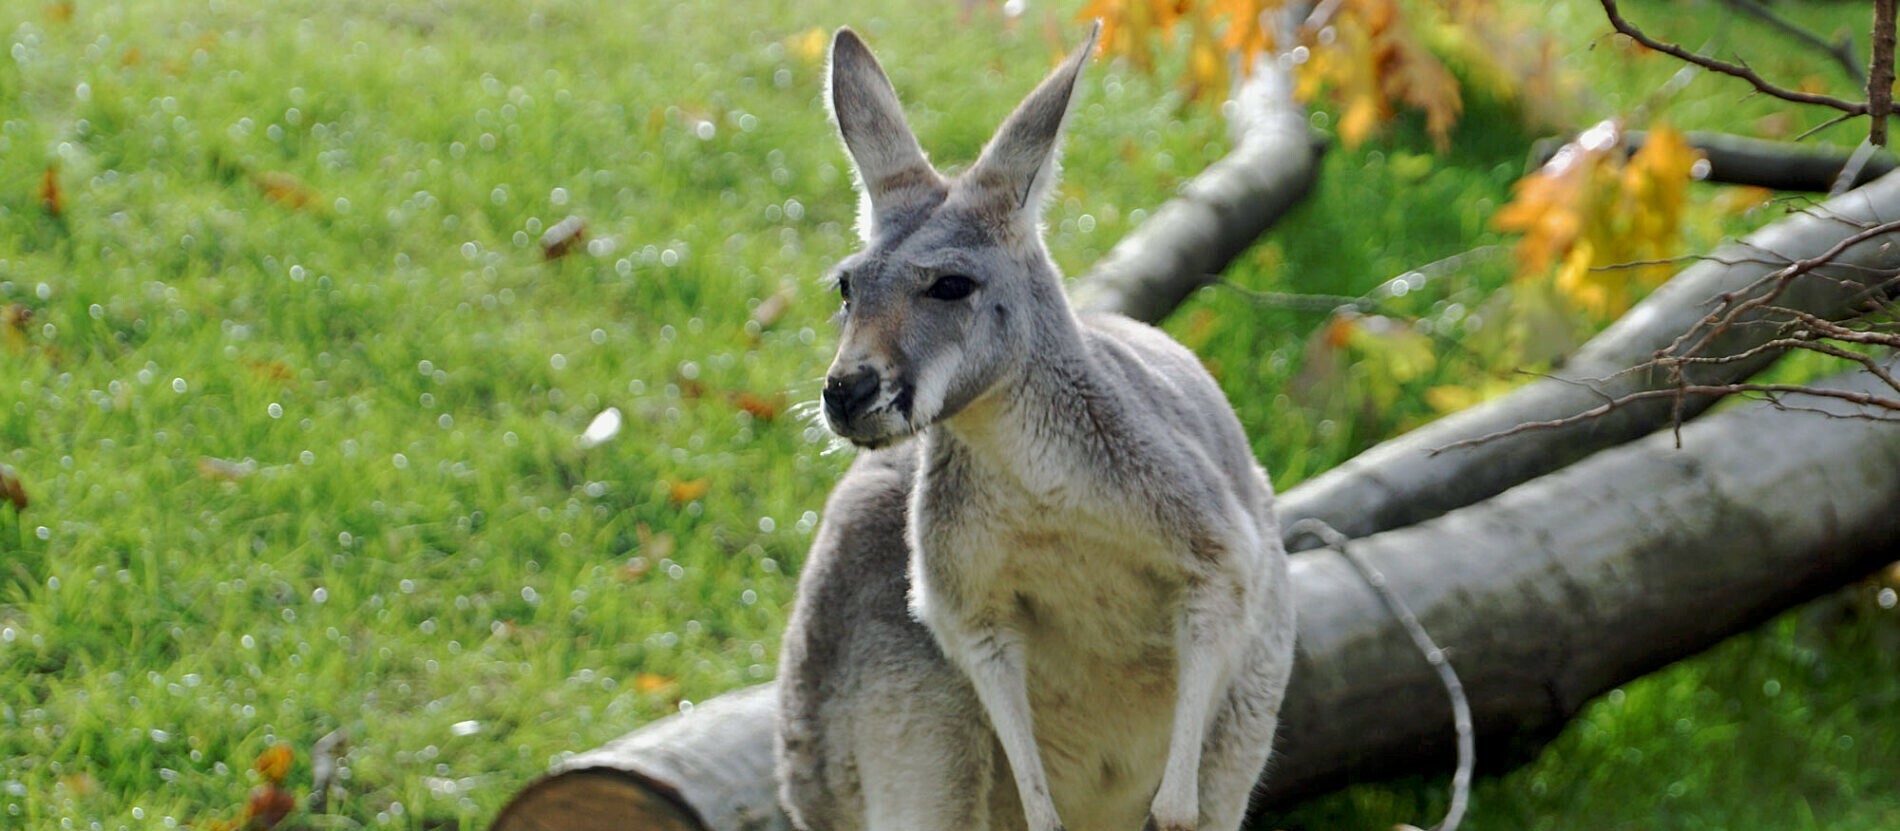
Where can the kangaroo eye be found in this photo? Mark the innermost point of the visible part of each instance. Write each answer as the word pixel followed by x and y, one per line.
pixel 844 289
pixel 950 287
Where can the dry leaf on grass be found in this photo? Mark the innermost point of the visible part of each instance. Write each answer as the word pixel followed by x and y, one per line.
pixel 51 197
pixel 562 237
pixel 11 491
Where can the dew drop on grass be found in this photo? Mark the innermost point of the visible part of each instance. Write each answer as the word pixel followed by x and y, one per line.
pixel 320 595
pixel 275 409
pixel 399 460
pixel 179 386
pixel 1887 598
pixel 248 642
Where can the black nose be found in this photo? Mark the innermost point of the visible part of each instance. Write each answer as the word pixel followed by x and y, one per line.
pixel 846 396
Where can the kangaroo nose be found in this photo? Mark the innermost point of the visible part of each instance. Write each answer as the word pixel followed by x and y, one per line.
pixel 846 396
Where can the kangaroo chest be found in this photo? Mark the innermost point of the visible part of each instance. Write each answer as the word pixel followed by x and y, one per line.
pixel 1092 582
pixel 1090 589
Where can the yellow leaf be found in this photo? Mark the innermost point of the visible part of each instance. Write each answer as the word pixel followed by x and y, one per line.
pixel 1451 398
pixel 50 196
pixel 683 492
pixel 808 45
pixel 274 764
pixel 652 682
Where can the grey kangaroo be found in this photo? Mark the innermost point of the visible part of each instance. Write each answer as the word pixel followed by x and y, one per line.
pixel 1065 603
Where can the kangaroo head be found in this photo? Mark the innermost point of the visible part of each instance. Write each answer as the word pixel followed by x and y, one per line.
pixel 944 301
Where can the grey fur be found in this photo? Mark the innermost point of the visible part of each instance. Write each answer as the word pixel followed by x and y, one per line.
pixel 1067 600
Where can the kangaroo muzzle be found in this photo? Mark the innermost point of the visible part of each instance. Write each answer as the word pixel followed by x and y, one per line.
pixel 849 396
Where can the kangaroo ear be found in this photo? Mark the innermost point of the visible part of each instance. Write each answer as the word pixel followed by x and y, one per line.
pixel 1021 159
pixel 891 167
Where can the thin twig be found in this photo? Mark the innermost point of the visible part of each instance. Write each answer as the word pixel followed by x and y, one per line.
pixel 1678 392
pixel 1805 134
pixel 1297 301
pixel 1717 323
pixel 1850 172
pixel 1834 331
pixel 1410 281
pixel 1812 344
pixel 1460 707
pixel 1737 70
pixel 1842 51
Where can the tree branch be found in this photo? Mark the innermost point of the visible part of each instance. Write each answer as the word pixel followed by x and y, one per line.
pixel 1737 70
pixel 1880 73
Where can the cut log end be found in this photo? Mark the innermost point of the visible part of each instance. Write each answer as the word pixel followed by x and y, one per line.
pixel 595 800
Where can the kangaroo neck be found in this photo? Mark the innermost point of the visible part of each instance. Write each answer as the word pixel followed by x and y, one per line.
pixel 1043 423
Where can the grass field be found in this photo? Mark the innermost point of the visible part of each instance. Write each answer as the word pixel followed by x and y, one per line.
pixel 297 399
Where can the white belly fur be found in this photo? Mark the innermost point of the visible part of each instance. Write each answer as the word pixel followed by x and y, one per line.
pixel 1094 603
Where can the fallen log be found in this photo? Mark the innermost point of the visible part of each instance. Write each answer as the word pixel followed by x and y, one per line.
pixel 1740 160
pixel 1544 597
pixel 1402 481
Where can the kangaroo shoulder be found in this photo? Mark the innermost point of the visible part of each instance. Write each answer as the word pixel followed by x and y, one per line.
pixel 1144 359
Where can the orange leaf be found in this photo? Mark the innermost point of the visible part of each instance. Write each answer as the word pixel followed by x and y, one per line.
pixel 274 763
pixel 285 189
pixel 761 407
pixel 50 196
pixel 652 682
pixel 683 492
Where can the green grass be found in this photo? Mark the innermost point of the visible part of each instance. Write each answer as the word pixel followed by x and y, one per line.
pixel 426 557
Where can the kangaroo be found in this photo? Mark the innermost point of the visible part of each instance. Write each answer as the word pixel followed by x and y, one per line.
pixel 1065 603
